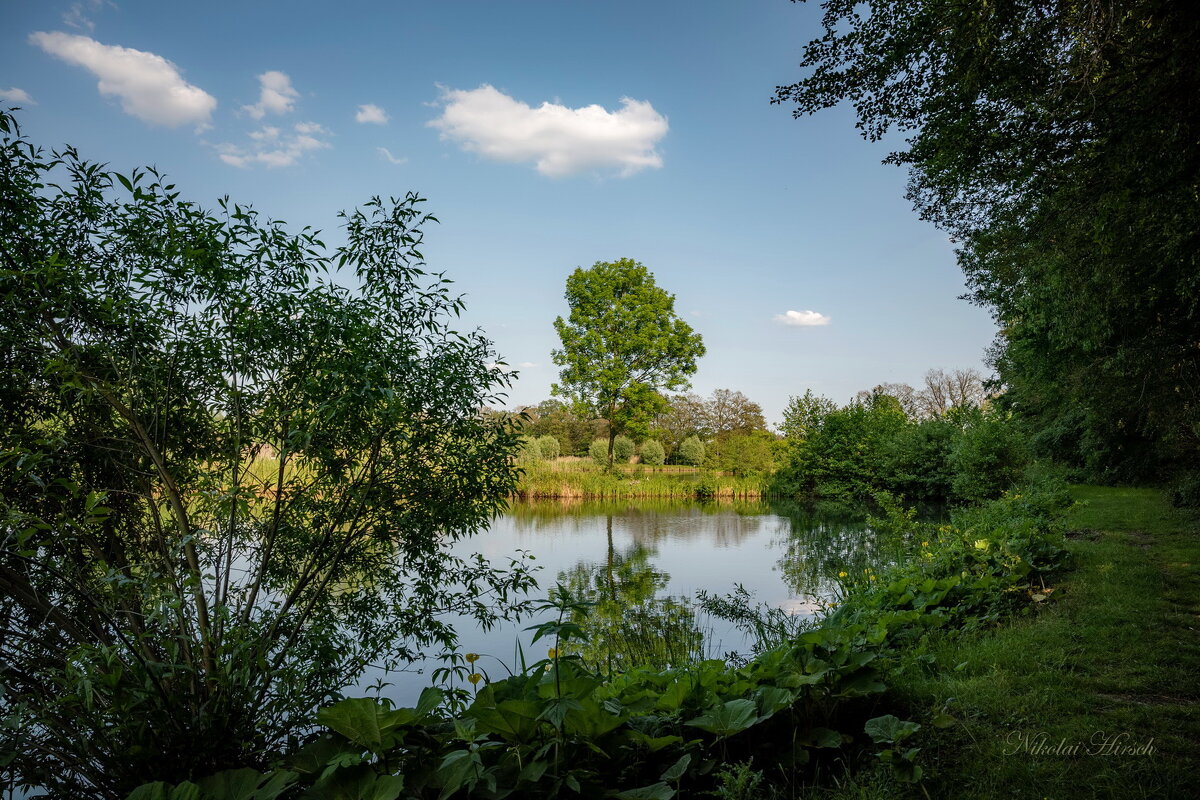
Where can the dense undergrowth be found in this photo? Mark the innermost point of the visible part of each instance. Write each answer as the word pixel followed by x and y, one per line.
pixel 542 480
pixel 560 727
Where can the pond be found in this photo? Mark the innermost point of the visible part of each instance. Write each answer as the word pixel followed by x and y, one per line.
pixel 643 563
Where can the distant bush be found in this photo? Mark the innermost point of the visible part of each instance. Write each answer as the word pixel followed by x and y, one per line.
pixel 548 447
pixel 988 457
pixel 653 453
pixel 623 448
pixel 1186 490
pixel 529 452
pixel 691 451
pixel 743 453
pixel 598 450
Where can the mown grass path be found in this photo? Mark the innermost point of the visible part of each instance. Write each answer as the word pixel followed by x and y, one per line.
pixel 1046 703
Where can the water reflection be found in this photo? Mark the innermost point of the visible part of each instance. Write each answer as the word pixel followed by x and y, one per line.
pixel 642 618
pixel 647 522
pixel 630 622
pixel 643 563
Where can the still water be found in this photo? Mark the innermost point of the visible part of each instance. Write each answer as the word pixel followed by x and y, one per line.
pixel 645 562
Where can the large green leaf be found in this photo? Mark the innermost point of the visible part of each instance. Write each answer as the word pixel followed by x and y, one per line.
pixel 356 718
pixel 728 718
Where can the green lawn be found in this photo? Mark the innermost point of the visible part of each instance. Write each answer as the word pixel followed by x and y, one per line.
pixel 1115 653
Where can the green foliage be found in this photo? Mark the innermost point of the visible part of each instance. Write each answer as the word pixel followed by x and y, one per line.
pixel 560 727
pixel 1072 208
pixel 849 454
pixel 691 451
pixel 988 457
pixel 548 447
pixel 623 449
pixel 622 344
pixel 598 450
pixel 229 482
pixel 742 453
pixel 653 453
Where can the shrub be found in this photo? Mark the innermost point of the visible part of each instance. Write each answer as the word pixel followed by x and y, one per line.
pixel 623 449
pixel 743 453
pixel 598 450
pixel 217 501
pixel 548 447
pixel 653 453
pixel 988 457
pixel 691 451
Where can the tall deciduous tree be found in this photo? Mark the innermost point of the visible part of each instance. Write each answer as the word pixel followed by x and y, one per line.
pixel 622 345
pixel 1057 143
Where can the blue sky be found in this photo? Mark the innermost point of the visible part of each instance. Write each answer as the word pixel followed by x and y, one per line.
pixel 546 136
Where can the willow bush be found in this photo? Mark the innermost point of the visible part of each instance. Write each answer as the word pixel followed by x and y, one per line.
pixel 229 482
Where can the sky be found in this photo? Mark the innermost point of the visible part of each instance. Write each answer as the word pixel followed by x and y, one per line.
pixel 546 136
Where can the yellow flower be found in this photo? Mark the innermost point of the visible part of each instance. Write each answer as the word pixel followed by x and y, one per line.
pixel 552 652
pixel 872 577
pixel 842 574
pixel 924 544
pixel 982 544
pixel 472 658
pixel 474 677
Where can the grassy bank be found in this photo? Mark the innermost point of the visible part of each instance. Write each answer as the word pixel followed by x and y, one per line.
pixel 584 480
pixel 1114 655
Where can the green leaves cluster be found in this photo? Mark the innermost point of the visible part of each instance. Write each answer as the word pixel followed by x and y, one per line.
pixel 1049 141
pixel 622 344
pixel 850 453
pixel 227 482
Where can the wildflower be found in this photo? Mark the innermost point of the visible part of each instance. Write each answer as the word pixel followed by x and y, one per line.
pixel 982 544
pixel 924 544
pixel 472 658
pixel 474 678
pixel 842 574
pixel 552 652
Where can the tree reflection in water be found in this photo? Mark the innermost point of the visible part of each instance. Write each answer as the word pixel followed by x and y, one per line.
pixel 629 625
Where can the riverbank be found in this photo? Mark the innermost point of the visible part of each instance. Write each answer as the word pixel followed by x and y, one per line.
pixel 579 479
pixel 1094 693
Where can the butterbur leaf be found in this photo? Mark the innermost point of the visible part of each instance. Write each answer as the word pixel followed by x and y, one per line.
pixel 728 718
pixel 889 728
pixel 655 791
pixel 677 770
pixel 942 720
pixel 822 737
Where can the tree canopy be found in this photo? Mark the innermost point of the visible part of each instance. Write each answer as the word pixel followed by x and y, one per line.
pixel 622 344
pixel 1057 143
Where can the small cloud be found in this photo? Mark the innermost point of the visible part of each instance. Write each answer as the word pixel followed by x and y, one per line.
pixel 527 364
pixel 391 159
pixel 77 15
pixel 272 147
pixel 150 87
pixel 372 114
pixel 275 95
pixel 803 319
pixel 558 140
pixel 15 95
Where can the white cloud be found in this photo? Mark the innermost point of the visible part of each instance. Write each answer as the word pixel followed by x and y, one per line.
pixel 557 139
pixel 371 113
pixel 15 95
pixel 77 15
pixel 527 364
pixel 803 319
pixel 272 147
pixel 150 87
pixel 275 95
pixel 391 159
